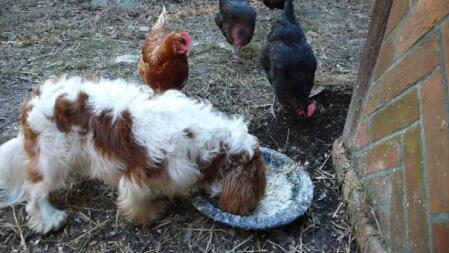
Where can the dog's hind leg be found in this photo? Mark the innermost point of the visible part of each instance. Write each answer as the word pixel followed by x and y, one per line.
pixel 45 175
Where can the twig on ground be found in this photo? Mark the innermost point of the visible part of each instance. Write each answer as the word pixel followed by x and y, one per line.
pixel 164 223
pixel 240 244
pixel 275 142
pixel 278 246
pixel 325 161
pixel 19 228
pixel 286 141
pixel 206 229
pixel 117 213
pixel 88 232
pixel 334 215
pixel 210 237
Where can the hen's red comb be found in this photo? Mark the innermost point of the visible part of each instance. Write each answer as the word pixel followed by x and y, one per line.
pixel 186 38
pixel 311 109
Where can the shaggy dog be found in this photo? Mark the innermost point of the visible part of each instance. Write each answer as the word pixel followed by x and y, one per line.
pixel 149 147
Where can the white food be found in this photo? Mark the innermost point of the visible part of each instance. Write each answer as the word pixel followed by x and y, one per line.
pixel 278 196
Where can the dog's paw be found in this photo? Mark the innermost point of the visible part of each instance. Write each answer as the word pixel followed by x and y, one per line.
pixel 49 220
pixel 147 213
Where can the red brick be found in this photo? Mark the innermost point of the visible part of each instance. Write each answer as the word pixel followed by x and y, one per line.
pixel 445 37
pixel 395 116
pixel 410 69
pixel 362 135
pixel 373 100
pixel 382 156
pixel 362 233
pixel 423 17
pixel 441 238
pixel 373 246
pixel 397 229
pixel 383 218
pixel 434 105
pixel 398 9
pixel 378 189
pixel 384 59
pixel 417 226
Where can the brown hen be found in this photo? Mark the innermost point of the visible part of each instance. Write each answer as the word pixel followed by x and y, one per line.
pixel 163 64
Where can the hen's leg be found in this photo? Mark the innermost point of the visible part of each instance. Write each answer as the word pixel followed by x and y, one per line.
pixel 273 107
pixel 138 203
pixel 235 53
pixel 44 176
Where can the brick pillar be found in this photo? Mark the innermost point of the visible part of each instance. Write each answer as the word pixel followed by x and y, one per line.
pixel 399 142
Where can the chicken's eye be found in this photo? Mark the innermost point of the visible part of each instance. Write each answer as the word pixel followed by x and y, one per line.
pixel 182 40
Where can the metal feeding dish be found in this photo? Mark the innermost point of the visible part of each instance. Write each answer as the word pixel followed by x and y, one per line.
pixel 288 196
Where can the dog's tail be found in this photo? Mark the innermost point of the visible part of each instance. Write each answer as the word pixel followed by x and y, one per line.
pixel 12 172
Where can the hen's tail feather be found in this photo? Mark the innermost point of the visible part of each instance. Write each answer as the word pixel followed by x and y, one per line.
pixel 161 20
pixel 12 172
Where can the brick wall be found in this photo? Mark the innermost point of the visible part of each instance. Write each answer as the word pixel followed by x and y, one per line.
pixel 400 148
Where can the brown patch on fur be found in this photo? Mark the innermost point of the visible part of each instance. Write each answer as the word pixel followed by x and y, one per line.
pixel 210 170
pixel 33 176
pixel 244 184
pixel 113 139
pixel 30 138
pixel 25 107
pixel 116 140
pixel 72 113
pixel 161 181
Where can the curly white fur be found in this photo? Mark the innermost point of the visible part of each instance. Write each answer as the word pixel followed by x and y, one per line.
pixel 158 125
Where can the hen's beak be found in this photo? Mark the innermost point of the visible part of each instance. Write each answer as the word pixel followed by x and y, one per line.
pixel 300 111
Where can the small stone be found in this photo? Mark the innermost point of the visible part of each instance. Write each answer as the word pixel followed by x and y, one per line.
pixel 142 28
pixel 127 58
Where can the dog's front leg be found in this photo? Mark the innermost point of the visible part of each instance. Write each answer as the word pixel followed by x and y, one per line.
pixel 139 203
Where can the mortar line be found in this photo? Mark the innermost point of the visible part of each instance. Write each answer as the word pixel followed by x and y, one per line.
pixel 401 22
pixel 369 121
pixel 380 173
pixel 420 41
pixel 444 74
pixel 425 175
pixel 440 218
pixel 405 91
pixel 404 193
pixel 386 138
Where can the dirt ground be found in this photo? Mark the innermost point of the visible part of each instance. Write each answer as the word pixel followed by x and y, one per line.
pixel 42 38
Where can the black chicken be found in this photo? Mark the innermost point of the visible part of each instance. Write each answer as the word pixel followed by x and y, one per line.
pixel 236 20
pixel 290 63
pixel 274 4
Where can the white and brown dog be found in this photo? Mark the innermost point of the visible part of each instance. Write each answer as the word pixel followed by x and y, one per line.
pixel 150 147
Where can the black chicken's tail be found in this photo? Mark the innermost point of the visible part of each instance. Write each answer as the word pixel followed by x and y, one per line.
pixel 289 13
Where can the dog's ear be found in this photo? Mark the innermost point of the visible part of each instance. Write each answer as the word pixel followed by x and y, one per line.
pixel 244 185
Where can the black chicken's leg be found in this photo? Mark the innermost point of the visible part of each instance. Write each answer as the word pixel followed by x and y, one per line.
pixel 273 107
pixel 235 53
pixel 271 15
